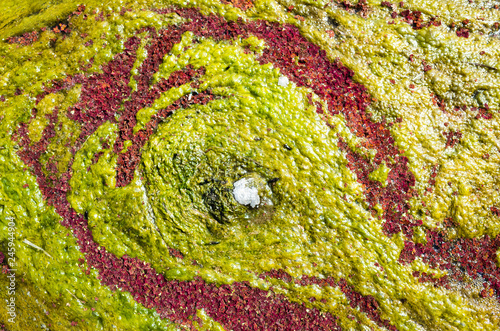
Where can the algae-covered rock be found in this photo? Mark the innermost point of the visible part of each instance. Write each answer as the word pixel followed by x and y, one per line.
pixel 249 165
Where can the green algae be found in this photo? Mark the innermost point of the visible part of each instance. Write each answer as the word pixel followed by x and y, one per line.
pixel 207 323
pixel 380 174
pixel 39 278
pixel 220 143
pixel 309 226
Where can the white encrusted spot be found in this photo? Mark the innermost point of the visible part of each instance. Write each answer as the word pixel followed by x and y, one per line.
pixel 283 81
pixel 246 193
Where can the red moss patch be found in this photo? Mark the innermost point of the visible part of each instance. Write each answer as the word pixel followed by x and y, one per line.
pixel 475 257
pixel 241 4
pixel 413 18
pixel 26 39
pixel 463 32
pixel 361 7
pixel 452 138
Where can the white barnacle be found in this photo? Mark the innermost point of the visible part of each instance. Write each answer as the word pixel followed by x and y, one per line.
pixel 283 81
pixel 246 193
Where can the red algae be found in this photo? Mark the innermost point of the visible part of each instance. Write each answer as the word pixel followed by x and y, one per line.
pixel 474 257
pixel 26 39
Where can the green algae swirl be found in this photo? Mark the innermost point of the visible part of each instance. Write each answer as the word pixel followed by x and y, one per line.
pixel 317 224
pixel 210 147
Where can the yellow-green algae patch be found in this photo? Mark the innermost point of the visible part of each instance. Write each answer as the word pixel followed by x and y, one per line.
pixel 307 227
pixel 380 174
pixel 461 74
pixel 207 323
pixel 318 224
pixel 55 291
